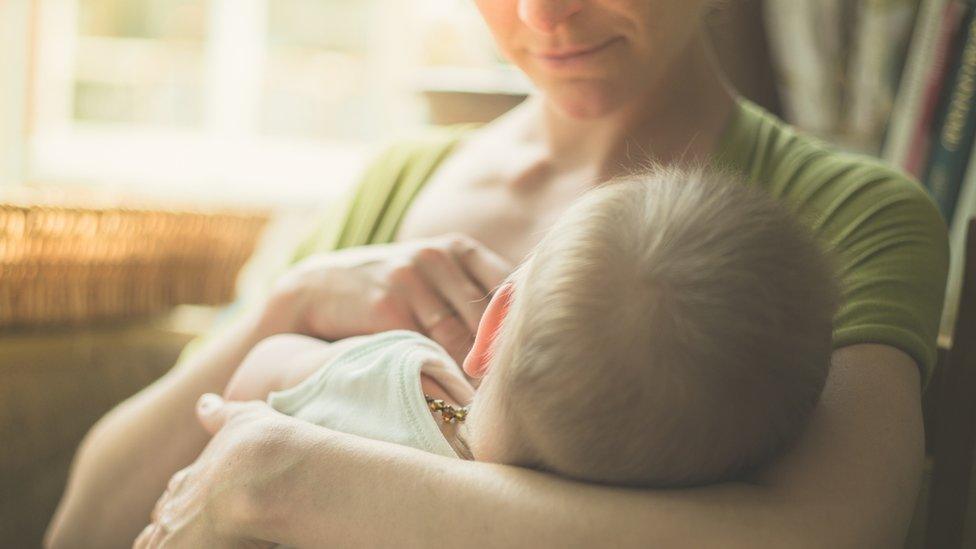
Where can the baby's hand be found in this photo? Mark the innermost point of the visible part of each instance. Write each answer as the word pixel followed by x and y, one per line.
pixel 277 363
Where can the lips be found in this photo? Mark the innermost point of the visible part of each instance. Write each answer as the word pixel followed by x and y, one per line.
pixel 573 52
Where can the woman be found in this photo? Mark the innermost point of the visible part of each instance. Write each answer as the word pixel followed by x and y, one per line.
pixel 619 80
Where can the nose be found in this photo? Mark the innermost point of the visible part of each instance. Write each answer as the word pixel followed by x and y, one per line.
pixel 546 15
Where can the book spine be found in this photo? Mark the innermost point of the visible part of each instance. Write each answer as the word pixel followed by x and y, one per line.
pixel 965 210
pixel 950 152
pixel 908 100
pixel 953 16
pixel 878 36
pixel 805 43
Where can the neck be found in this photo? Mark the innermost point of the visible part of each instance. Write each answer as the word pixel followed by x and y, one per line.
pixel 679 119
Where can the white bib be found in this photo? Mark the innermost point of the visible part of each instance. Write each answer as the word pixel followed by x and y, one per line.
pixel 373 390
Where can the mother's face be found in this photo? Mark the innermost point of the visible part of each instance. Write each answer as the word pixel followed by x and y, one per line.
pixel 590 56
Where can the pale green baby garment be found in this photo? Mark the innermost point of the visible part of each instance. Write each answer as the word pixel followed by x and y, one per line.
pixel 373 390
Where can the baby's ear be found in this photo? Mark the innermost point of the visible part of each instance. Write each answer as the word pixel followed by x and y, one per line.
pixel 476 363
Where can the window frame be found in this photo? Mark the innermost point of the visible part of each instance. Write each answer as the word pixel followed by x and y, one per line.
pixel 15 25
pixel 226 159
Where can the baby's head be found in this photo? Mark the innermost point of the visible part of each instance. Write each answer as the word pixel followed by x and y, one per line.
pixel 671 329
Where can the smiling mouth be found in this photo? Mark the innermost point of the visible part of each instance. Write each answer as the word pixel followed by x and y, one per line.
pixel 570 54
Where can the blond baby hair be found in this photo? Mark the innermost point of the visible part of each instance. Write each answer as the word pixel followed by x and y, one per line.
pixel 672 329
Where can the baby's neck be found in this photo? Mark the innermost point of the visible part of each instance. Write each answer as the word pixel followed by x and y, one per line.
pixel 435 390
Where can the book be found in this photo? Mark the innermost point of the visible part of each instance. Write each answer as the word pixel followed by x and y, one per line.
pixel 947 44
pixel 950 150
pixel 879 34
pixel 908 101
pixel 837 64
pixel 807 45
pixel 965 210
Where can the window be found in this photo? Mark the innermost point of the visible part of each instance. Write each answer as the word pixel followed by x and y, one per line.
pixel 14 42
pixel 252 100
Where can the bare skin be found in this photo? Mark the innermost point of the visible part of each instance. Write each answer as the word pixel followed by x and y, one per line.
pixel 851 482
pixel 508 183
pixel 844 486
pixel 128 457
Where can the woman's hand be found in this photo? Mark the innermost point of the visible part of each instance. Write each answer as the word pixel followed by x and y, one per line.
pixel 207 504
pixel 436 286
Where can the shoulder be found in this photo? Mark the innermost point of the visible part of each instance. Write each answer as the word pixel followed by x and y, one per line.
pixel 842 196
pixel 886 236
pixel 409 161
pixel 418 148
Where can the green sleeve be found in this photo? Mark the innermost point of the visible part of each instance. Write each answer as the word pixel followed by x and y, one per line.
pixel 893 255
pixel 883 232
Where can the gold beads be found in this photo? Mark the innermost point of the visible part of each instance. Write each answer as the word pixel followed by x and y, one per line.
pixel 449 414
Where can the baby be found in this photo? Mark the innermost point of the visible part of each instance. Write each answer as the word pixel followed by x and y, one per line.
pixel 671 329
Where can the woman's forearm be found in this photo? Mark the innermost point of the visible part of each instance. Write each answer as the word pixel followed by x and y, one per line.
pixel 412 499
pixel 850 483
pixel 124 462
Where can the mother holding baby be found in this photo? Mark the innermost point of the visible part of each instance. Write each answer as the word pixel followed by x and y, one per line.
pixel 435 224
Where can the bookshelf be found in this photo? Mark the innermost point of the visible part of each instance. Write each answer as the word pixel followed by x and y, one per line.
pixel 933 125
pixel 837 65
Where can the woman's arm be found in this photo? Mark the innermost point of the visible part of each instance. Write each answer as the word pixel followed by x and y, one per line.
pixel 851 482
pixel 125 461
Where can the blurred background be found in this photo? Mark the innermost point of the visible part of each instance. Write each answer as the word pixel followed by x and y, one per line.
pixel 149 148
pixel 245 100
pixel 259 100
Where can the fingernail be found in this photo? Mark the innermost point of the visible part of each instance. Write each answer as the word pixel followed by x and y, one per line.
pixel 208 402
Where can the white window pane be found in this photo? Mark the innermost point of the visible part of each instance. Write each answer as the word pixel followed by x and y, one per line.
pixel 174 20
pixel 316 81
pixel 336 25
pixel 140 62
pixel 275 100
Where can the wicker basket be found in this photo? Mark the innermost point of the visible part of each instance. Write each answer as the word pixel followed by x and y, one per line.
pixel 68 265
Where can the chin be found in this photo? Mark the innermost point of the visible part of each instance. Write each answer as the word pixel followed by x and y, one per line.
pixel 584 100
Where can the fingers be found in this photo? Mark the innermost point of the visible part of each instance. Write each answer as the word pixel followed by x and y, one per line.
pixel 436 318
pixel 142 540
pixel 214 413
pixel 464 295
pixel 211 412
pixel 154 533
pixel 392 310
pixel 151 536
pixel 454 337
pixel 483 265
pixel 446 284
pixel 427 307
pixel 172 487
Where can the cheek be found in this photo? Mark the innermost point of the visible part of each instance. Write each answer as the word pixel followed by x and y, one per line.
pixel 657 27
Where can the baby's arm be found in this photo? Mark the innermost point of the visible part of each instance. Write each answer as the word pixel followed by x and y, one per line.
pixel 277 363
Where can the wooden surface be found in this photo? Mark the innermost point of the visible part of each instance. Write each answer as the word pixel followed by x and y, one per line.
pixel 54 385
